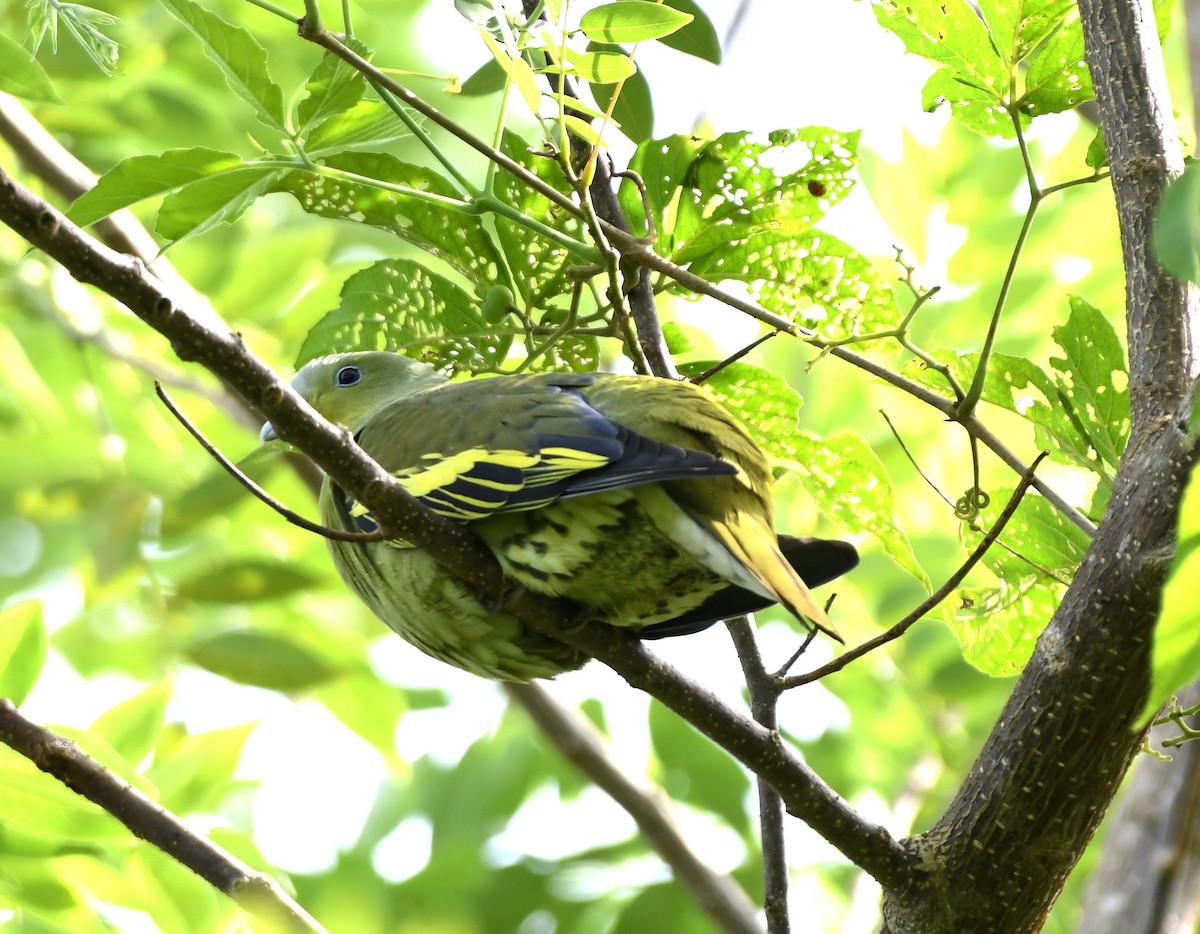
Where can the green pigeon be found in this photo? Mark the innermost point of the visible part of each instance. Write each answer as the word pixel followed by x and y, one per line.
pixel 640 499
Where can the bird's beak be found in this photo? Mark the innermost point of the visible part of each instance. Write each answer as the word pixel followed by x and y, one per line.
pixel 267 433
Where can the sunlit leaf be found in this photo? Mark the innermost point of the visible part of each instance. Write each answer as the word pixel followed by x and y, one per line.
pixel 219 199
pixel 22 649
pixel 1177 226
pixel 244 580
pixel 1175 661
pixel 851 485
pixel 400 305
pixel 631 21
pixel 22 76
pixel 141 177
pixel 265 660
pixel 240 57
pixel 132 727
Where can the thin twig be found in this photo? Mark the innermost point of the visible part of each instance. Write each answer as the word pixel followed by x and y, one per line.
pixel 239 475
pixel 579 743
pixel 764 699
pixel 935 598
pixel 732 358
pixel 256 892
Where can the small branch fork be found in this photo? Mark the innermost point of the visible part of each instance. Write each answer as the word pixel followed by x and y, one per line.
pixel 259 894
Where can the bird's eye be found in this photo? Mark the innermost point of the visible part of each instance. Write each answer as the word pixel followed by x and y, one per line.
pixel 347 376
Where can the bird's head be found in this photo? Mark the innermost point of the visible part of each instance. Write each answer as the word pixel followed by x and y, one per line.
pixel 348 388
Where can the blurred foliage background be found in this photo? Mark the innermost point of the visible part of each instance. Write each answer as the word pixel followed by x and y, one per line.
pixel 195 643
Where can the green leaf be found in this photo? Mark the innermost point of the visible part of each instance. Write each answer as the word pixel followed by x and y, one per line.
pixel 634 110
pixel 849 482
pixel 603 67
pixel 762 400
pixel 439 230
pixel 974 78
pixel 488 78
pixel 401 306
pixel 842 474
pixel 218 199
pixel 1058 78
pixel 1177 226
pixel 195 772
pixel 365 125
pixel 816 280
pixel 1175 658
pixel 141 177
pixel 740 191
pixel 1094 378
pixel 333 88
pixel 240 57
pixel 1038 555
pixel 265 660
pixel 631 21
pixel 698 38
pixel 132 727
pixel 1082 411
pixel 23 76
pixel 999 627
pixel 22 649
pixel 244 581
pixel 539 265
pixel 1097 152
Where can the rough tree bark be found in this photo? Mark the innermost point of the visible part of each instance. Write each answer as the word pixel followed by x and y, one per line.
pixel 998 857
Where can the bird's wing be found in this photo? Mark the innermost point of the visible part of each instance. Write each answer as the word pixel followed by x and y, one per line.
pixel 471 450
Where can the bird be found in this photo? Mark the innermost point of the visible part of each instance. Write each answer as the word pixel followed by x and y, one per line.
pixel 640 499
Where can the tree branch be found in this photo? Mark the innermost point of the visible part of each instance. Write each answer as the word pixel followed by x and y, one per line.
pixel 999 855
pixel 580 744
pixel 452 545
pixel 256 892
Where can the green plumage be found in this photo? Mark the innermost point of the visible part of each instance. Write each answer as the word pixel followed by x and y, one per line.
pixel 641 499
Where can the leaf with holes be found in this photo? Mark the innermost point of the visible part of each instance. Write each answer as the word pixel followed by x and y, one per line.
pixel 973 77
pixel 999 626
pixel 401 306
pixel 739 193
pixel 814 279
pixel 1034 561
pixel 538 265
pixel 763 401
pixel 1058 78
pixel 742 192
pixel 850 484
pixel 436 228
pixel 1082 411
